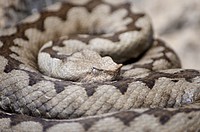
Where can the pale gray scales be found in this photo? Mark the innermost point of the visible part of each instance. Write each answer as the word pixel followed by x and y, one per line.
pixel 93 65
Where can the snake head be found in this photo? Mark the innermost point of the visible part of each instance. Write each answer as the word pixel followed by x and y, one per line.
pixel 102 69
pixel 97 74
pixel 81 66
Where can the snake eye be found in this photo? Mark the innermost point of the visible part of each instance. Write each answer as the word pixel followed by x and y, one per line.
pixel 96 70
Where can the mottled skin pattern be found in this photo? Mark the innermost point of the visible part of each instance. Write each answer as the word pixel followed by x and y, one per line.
pixel 150 92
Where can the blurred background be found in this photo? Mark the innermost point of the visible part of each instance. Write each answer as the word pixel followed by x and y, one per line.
pixel 176 22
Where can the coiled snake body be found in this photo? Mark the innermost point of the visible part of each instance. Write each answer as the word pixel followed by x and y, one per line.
pixel 52 77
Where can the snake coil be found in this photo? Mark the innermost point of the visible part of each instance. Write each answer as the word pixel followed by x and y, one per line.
pixel 93 65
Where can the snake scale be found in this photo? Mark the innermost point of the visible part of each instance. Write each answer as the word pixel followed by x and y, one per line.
pixel 56 73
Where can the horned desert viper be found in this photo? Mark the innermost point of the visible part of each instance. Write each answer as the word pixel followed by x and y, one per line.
pixel 52 77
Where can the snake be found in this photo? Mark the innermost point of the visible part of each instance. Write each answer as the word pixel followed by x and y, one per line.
pixel 93 66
